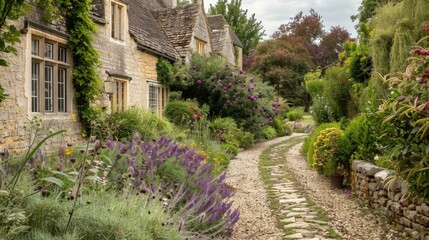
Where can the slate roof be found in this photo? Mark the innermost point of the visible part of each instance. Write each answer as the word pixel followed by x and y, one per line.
pixel 143 27
pixel 178 25
pixel 218 22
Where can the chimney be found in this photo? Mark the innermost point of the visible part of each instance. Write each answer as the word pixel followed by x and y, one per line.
pixel 200 2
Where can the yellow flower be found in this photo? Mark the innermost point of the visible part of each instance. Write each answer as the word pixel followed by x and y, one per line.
pixel 73 117
pixel 83 133
pixel 68 151
pixel 192 144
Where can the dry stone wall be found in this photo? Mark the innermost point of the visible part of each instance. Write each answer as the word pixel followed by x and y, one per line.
pixel 383 190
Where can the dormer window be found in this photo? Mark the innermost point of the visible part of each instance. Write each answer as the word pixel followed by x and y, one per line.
pixel 117 21
pixel 200 46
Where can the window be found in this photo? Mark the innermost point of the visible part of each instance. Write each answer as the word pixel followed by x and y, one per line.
pixel 238 56
pixel 157 98
pixel 153 98
pixel 50 75
pixel 49 50
pixel 119 96
pixel 117 21
pixel 200 46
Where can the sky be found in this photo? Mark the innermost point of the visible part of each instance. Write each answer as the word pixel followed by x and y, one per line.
pixel 273 13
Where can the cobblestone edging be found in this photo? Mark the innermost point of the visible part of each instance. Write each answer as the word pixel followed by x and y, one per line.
pixel 382 190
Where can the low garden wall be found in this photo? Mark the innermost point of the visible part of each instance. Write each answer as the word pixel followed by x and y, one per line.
pixel 382 190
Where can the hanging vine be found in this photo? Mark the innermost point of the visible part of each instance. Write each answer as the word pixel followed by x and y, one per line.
pixel 81 28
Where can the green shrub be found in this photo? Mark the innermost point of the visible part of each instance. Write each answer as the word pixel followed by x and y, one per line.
pixel 308 147
pixel 147 123
pixel 174 96
pixel 279 127
pixel 181 112
pixel 229 148
pixel 245 139
pixel 229 92
pixel 47 215
pixel 324 110
pixel 295 115
pixel 283 110
pixel 226 131
pixel 287 128
pixel 405 116
pixel 123 125
pixel 325 148
pixel 268 133
pixel 360 133
pixel 223 124
pixel 122 217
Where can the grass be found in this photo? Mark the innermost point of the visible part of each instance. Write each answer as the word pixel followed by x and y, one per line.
pixel 332 234
pixel 307 118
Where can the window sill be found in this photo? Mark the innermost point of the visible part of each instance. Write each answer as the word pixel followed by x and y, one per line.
pixel 115 40
pixel 51 116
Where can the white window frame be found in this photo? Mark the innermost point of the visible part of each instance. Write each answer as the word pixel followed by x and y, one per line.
pixel 160 97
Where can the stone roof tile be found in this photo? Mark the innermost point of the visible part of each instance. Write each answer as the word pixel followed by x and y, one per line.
pixel 144 28
pixel 178 25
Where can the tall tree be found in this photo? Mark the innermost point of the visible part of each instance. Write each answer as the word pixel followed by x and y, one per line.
pixel 330 46
pixel 283 63
pixel 323 46
pixel 248 29
pixel 309 27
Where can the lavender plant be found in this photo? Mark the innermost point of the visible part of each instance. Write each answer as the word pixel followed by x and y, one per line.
pixel 189 189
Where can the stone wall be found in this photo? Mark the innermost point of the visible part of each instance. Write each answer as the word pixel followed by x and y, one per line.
pixel 383 190
pixel 15 112
pixel 123 58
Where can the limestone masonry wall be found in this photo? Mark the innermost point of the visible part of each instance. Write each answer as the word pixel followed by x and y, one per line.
pixel 383 190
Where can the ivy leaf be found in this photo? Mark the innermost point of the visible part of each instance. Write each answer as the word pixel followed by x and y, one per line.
pixel 3 63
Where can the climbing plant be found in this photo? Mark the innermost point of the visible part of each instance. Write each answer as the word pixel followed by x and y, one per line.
pixel 85 57
pixel 9 33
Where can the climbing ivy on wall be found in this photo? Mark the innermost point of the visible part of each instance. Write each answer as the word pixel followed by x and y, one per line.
pixel 85 58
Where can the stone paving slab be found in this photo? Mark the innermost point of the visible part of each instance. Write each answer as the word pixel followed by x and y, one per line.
pixel 296 215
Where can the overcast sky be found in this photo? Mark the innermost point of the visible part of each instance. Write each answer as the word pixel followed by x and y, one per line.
pixel 273 13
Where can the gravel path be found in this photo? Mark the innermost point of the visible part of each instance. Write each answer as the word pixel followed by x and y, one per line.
pixel 257 221
pixel 349 219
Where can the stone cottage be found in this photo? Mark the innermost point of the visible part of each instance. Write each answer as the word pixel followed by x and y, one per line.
pixel 132 36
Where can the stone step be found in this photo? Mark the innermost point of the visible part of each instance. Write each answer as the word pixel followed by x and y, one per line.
pixel 294 236
pixel 293 200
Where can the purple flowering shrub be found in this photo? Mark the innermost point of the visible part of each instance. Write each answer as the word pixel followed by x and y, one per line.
pixel 177 176
pixel 230 92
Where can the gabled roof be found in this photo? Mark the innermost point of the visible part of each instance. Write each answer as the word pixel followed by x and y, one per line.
pixel 143 27
pixel 178 25
pixel 218 22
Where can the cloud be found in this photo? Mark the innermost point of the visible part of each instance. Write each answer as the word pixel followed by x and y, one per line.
pixel 273 13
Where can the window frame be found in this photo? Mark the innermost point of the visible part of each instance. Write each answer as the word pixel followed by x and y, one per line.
pixel 119 99
pixel 117 21
pixel 44 84
pixel 200 46
pixel 161 98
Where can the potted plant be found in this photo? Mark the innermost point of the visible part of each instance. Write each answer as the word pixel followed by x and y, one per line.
pixel 325 159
